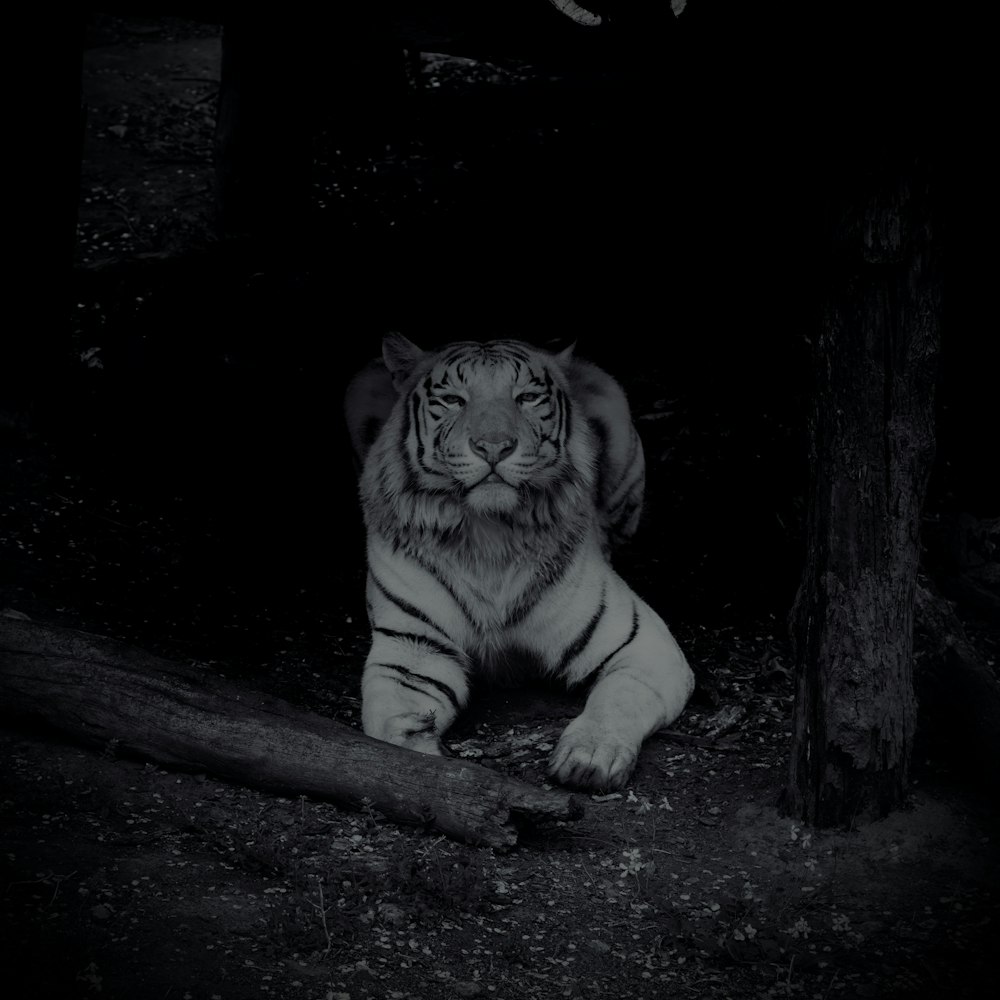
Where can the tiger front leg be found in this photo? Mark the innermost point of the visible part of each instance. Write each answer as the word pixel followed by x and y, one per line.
pixel 410 692
pixel 640 689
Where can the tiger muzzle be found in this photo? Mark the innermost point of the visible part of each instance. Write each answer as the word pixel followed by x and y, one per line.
pixel 491 451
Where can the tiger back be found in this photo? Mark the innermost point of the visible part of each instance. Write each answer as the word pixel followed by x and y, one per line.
pixel 496 476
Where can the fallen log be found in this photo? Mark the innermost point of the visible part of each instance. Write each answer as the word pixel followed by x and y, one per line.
pixel 101 691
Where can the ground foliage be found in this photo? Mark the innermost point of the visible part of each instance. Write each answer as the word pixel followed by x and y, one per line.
pixel 123 879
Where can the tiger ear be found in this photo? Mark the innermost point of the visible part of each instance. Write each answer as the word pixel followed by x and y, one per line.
pixel 565 356
pixel 400 356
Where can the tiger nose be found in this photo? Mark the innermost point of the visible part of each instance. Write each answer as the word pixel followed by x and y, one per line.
pixel 493 451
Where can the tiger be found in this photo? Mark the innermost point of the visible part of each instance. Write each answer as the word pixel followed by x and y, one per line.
pixel 496 479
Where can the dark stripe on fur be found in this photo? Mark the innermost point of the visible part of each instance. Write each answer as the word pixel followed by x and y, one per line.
pixel 406 607
pixel 419 690
pixel 510 349
pixel 635 631
pixel 425 640
pixel 459 352
pixel 413 675
pixel 558 437
pixel 550 427
pixel 438 438
pixel 601 434
pixel 411 484
pixel 558 403
pixel 420 432
pixel 579 644
pixel 430 568
pixel 556 572
pixel 404 434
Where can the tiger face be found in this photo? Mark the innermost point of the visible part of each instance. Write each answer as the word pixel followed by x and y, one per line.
pixel 489 422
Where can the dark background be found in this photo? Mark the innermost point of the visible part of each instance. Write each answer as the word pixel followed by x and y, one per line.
pixel 667 202
pixel 663 200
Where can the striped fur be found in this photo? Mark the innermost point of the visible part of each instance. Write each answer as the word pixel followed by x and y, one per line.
pixel 493 490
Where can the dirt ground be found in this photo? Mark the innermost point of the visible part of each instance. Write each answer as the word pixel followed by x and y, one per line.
pixel 122 879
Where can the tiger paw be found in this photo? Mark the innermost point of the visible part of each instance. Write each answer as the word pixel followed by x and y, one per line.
pixel 592 758
pixel 409 731
pixel 423 743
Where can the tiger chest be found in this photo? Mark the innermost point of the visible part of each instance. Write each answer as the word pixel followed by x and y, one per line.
pixel 490 596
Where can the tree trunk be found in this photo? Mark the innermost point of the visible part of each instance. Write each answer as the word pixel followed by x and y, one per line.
pixel 872 443
pixel 101 691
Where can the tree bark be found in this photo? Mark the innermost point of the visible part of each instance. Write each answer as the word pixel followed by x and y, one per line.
pixel 872 443
pixel 102 691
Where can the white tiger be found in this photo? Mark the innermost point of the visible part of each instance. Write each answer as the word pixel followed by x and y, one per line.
pixel 496 477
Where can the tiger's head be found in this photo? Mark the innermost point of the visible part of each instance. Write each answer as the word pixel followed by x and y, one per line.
pixel 489 423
